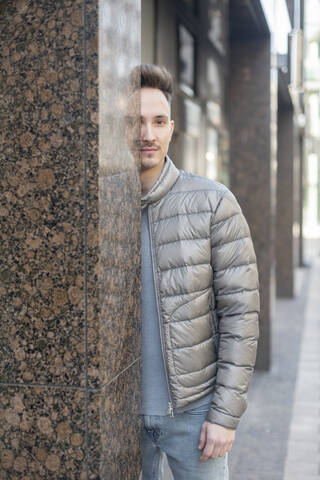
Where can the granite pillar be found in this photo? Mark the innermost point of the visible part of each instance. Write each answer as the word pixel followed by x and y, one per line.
pixel 252 102
pixel 69 242
pixel 285 204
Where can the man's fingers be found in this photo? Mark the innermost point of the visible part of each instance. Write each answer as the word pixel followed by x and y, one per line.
pixel 215 441
pixel 218 449
pixel 214 449
pixel 223 451
pixel 202 438
pixel 207 451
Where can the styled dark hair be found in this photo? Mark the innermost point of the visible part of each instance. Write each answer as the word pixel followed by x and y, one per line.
pixel 153 76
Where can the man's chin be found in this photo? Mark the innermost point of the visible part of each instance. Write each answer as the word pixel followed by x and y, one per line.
pixel 150 161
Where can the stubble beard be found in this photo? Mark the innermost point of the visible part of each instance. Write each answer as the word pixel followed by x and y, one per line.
pixel 149 162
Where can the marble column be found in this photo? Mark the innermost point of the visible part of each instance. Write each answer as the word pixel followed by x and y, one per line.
pixel 252 106
pixel 69 242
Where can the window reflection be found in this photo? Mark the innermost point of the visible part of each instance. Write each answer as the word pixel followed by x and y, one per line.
pixel 214 82
pixel 186 61
pixel 192 116
pixel 212 154
pixel 217 30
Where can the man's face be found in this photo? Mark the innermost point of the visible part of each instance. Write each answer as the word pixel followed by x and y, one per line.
pixel 156 127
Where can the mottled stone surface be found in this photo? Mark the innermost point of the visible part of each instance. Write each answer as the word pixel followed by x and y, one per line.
pixel 69 241
pixel 92 190
pixel 42 433
pixel 119 348
pixel 119 274
pixel 118 455
pixel 252 113
pixel 42 193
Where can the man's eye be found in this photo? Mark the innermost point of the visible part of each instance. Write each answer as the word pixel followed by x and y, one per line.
pixel 160 122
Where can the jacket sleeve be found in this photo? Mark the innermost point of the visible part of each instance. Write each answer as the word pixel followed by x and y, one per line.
pixel 236 292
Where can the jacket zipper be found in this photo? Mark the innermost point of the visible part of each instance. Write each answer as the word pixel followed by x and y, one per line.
pixel 170 405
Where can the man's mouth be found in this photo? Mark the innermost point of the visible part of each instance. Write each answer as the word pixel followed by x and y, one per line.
pixel 148 149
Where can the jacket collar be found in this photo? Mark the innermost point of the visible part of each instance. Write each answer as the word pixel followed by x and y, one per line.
pixel 162 185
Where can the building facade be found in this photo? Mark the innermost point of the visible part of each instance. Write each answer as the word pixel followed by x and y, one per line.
pixel 312 150
pixel 237 107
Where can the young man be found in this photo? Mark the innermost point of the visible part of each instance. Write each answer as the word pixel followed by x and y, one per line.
pixel 200 304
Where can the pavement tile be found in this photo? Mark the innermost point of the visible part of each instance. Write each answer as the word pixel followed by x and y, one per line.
pixel 303 453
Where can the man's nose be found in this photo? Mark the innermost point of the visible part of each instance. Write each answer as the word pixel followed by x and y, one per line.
pixel 147 132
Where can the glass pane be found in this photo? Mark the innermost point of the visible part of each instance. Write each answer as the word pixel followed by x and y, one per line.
pixel 224 149
pixel 217 14
pixel 214 80
pixel 190 153
pixel 186 60
pixel 192 117
pixel 212 154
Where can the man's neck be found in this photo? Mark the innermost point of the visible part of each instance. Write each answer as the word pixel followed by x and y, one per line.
pixel 149 177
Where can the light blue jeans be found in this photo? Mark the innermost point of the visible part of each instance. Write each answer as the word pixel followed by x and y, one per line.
pixel 178 438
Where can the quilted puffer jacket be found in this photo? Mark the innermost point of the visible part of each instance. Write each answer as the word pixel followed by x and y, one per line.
pixel 206 284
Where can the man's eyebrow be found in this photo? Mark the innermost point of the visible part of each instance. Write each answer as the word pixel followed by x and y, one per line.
pixel 158 116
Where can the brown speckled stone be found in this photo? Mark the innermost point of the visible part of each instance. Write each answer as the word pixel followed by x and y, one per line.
pixel 69 238
pixel 42 193
pixel 120 275
pixel 31 441
pixel 114 327
pixel 119 455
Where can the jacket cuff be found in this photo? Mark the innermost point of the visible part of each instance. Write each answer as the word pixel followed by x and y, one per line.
pixel 219 418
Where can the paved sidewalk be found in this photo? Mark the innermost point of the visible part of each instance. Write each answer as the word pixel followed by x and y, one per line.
pixel 303 456
pixel 279 436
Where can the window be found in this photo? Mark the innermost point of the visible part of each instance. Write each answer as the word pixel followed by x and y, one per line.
pixel 217 14
pixel 186 46
pixel 212 154
pixel 214 81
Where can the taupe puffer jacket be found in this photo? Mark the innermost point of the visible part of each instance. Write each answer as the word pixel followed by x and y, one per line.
pixel 206 283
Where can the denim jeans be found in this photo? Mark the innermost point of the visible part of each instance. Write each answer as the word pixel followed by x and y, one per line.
pixel 178 438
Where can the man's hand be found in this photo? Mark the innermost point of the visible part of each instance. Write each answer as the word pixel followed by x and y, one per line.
pixel 215 440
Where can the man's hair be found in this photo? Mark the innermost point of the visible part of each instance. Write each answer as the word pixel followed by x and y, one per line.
pixel 152 76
